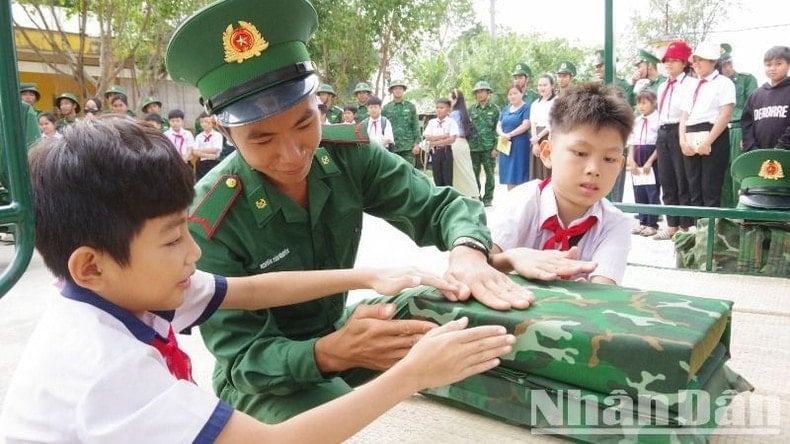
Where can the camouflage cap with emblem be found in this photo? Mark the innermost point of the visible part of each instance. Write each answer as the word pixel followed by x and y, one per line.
pixel 645 56
pixel 149 100
pixel 726 52
pixel 71 97
pixel 566 67
pixel 521 69
pixel 326 88
pixel 363 87
pixel 115 90
pixel 31 87
pixel 253 57
pixel 482 85
pixel 764 178
pixel 395 83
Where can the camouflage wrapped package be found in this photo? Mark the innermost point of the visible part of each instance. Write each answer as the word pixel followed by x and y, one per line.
pixel 585 351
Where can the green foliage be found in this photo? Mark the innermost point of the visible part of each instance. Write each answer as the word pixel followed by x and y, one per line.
pixel 690 20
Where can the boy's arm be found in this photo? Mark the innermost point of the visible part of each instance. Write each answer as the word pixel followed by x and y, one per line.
pixel 446 354
pixel 276 289
pixel 748 141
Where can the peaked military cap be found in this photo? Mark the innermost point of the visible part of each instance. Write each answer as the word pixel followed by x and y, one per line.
pixel 395 83
pixel 764 177
pixel 30 87
pixel 115 89
pixel 326 88
pixel 481 85
pixel 253 59
pixel 566 67
pixel 363 86
pixel 71 97
pixel 521 69
pixel 726 52
pixel 148 101
pixel 646 56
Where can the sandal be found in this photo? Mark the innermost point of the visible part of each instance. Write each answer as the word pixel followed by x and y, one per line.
pixel 638 230
pixel 648 232
pixel 662 235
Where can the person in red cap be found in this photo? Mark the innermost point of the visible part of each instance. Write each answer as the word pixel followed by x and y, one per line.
pixel 670 159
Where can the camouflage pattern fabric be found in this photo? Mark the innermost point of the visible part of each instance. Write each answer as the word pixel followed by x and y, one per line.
pixel 585 352
pixel 739 247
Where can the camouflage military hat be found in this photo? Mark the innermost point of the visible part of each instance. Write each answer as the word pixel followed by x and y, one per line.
pixel 646 56
pixel 395 83
pixel 566 67
pixel 326 88
pixel 30 87
pixel 253 59
pixel 148 101
pixel 363 86
pixel 71 97
pixel 521 69
pixel 764 177
pixel 726 52
pixel 115 89
pixel 481 85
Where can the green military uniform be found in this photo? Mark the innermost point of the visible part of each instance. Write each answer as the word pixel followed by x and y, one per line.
pixel 31 87
pixel 485 118
pixel 522 69
pixel 406 128
pixel 63 122
pixel 745 84
pixel 164 124
pixel 566 67
pixel 334 113
pixel 362 108
pixel 245 225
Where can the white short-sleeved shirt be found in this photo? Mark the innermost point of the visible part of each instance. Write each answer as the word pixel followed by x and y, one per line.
pixel 539 112
pixel 645 130
pixel 671 98
pixel 90 375
pixel 209 141
pixel 380 130
pixel 717 91
pixel 182 140
pixel 517 222
pixel 443 127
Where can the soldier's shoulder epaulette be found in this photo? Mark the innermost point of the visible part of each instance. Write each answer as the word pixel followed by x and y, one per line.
pixel 344 134
pixel 211 210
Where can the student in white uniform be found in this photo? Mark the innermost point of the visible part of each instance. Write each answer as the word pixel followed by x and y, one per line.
pixel 104 365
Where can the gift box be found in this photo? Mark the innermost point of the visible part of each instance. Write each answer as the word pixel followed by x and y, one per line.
pixel 612 352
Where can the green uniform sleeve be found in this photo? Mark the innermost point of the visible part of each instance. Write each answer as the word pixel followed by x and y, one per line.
pixel 416 127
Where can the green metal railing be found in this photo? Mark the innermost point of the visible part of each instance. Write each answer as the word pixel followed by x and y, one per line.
pixel 711 214
pixel 19 212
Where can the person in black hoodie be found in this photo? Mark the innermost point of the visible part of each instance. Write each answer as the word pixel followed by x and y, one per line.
pixel 766 116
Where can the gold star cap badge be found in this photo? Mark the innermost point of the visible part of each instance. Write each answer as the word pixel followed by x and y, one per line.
pixel 771 169
pixel 243 42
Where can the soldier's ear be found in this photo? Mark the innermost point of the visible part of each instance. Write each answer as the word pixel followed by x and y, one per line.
pixel 545 152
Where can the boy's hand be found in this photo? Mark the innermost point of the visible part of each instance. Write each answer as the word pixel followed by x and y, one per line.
pixel 449 353
pixel 547 265
pixel 369 339
pixel 392 281
pixel 469 270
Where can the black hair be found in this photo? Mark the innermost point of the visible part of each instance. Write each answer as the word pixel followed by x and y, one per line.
pixel 777 52
pixel 120 97
pixel 49 116
pixel 646 94
pixel 594 104
pixel 460 106
pixel 153 117
pixel 95 100
pixel 373 100
pixel 550 78
pixel 444 101
pixel 322 108
pixel 351 108
pixel 175 114
pixel 98 184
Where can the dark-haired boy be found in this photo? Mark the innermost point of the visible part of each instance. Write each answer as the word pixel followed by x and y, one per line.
pixel 440 133
pixel 181 138
pixel 569 212
pixel 379 127
pixel 766 117
pixel 103 365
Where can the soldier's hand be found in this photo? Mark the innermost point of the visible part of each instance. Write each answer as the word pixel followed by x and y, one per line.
pixel 369 339
pixel 547 265
pixel 469 270
pixel 451 353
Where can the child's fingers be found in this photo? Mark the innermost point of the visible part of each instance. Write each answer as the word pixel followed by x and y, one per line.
pixel 452 326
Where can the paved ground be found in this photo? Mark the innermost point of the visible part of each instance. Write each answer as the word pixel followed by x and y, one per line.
pixel 760 337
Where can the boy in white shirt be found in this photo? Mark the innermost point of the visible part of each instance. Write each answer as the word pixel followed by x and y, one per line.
pixel 379 127
pixel 180 137
pixel 641 161
pixel 208 146
pixel 103 365
pixel 440 133
pixel 543 224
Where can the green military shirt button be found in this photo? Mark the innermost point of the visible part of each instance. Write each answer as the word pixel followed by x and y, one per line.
pixel 230 182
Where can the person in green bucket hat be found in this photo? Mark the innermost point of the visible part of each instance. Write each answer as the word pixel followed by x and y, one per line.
pixel 68 106
pixel 406 127
pixel 362 92
pixel 485 115
pixel 292 198
pixel 327 95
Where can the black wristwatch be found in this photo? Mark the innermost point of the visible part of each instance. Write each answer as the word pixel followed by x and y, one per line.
pixel 470 242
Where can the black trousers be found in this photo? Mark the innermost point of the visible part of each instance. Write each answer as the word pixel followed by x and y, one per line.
pixel 672 173
pixel 706 173
pixel 442 165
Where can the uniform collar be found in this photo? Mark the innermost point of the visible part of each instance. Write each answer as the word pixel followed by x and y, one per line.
pixel 548 207
pixel 143 332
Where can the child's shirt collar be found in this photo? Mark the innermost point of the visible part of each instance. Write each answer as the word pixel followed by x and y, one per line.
pixel 548 207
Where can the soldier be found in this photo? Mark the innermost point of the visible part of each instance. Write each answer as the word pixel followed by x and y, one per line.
pixel 286 200
pixel 406 127
pixel 627 88
pixel 362 92
pixel 646 73
pixel 745 84
pixel 152 105
pixel 118 90
pixel 30 95
pixel 565 72
pixel 521 77
pixel 763 177
pixel 485 116
pixel 327 96
pixel 69 107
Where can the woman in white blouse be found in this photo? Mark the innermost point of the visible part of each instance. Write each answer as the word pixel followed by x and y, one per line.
pixel 539 115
